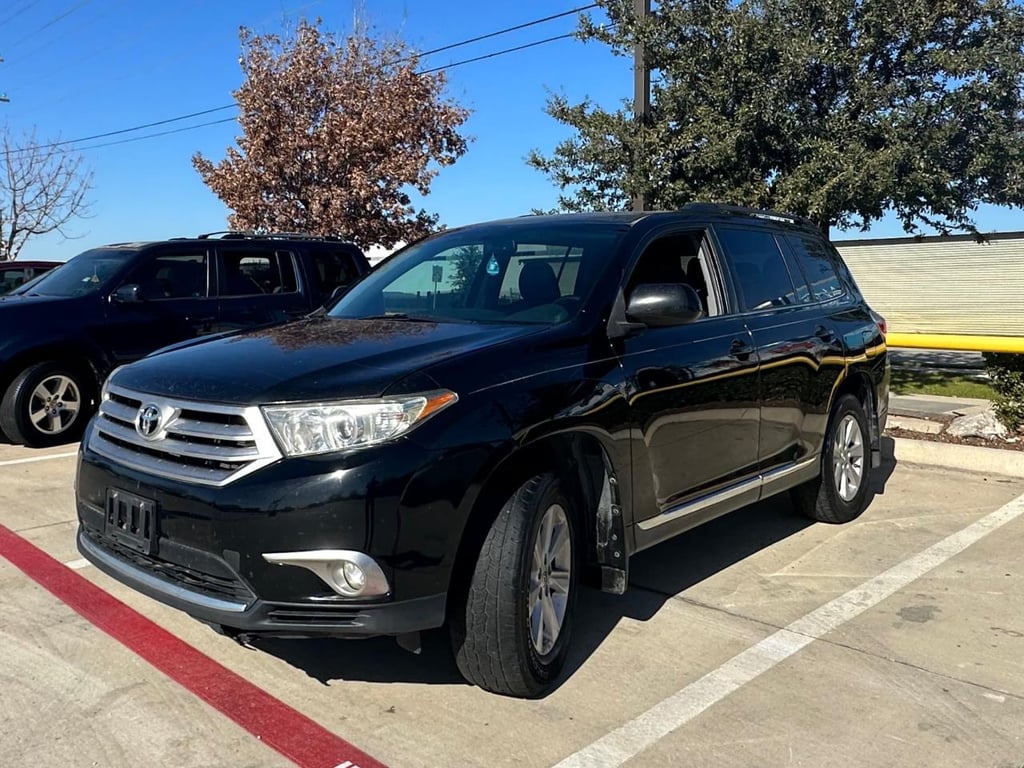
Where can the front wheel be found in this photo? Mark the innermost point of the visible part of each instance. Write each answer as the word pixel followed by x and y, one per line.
pixel 840 493
pixel 46 404
pixel 512 634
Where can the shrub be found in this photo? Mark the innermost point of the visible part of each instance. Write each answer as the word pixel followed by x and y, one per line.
pixel 1007 375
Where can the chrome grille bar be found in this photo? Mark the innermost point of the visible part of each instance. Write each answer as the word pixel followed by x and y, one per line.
pixel 206 443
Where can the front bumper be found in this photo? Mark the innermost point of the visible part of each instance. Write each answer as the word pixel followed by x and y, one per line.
pixel 253 615
pixel 399 507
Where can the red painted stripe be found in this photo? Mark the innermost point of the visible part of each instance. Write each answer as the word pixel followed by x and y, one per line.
pixel 276 724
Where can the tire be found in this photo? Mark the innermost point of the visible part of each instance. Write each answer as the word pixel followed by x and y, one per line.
pixel 498 635
pixel 46 404
pixel 840 493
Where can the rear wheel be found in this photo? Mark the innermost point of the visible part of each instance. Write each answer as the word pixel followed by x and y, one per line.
pixel 840 493
pixel 46 404
pixel 513 633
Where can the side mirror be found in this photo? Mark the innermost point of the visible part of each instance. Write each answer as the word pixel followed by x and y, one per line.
pixel 663 304
pixel 127 294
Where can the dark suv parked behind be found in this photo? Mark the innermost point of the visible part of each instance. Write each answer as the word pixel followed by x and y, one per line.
pixel 495 416
pixel 114 304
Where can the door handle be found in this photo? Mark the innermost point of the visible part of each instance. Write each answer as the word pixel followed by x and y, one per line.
pixel 825 334
pixel 740 349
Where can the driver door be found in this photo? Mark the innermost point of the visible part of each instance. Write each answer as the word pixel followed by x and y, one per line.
pixel 693 392
pixel 174 304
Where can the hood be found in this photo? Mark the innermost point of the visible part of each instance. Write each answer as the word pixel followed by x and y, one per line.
pixel 31 299
pixel 318 358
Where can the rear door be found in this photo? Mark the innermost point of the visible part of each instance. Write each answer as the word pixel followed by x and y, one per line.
pixel 256 285
pixel 797 344
pixel 692 391
pixel 842 325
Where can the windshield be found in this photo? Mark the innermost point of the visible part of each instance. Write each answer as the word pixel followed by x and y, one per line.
pixel 84 274
pixel 535 270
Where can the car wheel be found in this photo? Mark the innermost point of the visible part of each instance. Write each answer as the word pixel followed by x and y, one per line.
pixel 840 493
pixel 46 404
pixel 513 632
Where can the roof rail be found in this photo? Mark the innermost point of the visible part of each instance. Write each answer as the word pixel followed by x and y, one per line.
pixel 231 234
pixel 227 233
pixel 306 236
pixel 740 210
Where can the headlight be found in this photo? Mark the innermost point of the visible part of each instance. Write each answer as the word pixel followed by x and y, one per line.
pixel 302 430
pixel 105 389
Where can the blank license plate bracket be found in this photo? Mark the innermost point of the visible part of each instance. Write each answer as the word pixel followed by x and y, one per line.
pixel 131 521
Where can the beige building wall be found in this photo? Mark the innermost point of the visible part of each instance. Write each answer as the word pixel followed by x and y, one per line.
pixel 943 284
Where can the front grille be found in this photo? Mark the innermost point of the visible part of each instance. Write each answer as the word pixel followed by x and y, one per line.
pixel 190 578
pixel 195 442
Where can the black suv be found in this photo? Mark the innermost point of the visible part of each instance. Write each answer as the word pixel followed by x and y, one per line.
pixel 493 417
pixel 111 305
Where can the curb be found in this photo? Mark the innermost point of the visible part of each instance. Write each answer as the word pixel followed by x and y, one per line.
pixel 970 458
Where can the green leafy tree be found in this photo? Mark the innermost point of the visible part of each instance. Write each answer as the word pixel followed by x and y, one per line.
pixel 335 134
pixel 839 110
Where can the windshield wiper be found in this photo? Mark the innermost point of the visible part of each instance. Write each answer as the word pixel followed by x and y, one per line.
pixel 399 316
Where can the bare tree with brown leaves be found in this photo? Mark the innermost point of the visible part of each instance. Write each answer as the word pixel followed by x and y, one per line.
pixel 42 188
pixel 335 135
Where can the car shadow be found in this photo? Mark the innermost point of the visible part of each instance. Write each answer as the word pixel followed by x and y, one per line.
pixel 657 575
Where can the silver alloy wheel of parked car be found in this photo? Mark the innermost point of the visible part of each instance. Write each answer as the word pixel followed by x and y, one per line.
pixel 55 404
pixel 848 458
pixel 550 577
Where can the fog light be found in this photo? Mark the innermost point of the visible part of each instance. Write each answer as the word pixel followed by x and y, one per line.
pixel 350 574
pixel 354 576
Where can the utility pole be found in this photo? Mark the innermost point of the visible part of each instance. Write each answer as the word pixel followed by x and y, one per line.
pixel 3 96
pixel 641 85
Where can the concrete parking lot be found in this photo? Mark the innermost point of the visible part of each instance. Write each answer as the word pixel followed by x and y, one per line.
pixel 757 640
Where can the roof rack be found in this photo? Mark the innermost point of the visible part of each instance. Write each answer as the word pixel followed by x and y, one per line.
pixel 226 234
pixel 740 210
pixel 234 234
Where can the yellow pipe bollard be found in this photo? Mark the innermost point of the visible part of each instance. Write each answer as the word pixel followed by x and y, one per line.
pixel 1007 344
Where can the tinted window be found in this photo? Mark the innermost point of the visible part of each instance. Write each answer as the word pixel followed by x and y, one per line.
pixel 521 272
pixel 254 271
pixel 171 276
pixel 761 275
pixel 331 269
pixel 11 279
pixel 816 263
pixel 86 273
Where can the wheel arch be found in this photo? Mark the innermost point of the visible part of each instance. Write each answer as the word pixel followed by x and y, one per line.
pixel 75 354
pixel 860 384
pixel 577 457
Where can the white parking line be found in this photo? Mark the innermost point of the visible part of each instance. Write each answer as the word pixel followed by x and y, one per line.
pixel 79 564
pixel 31 459
pixel 663 718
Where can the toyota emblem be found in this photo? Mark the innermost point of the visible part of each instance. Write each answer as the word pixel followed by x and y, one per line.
pixel 147 423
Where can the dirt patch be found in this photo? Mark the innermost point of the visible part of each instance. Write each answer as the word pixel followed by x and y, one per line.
pixel 1007 444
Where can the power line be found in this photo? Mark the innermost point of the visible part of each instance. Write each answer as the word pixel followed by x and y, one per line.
pixel 18 12
pixel 498 53
pixel 160 133
pixel 50 23
pixel 144 126
pixel 139 33
pixel 233 105
pixel 76 30
pixel 505 31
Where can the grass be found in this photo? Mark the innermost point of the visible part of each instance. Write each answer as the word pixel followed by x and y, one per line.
pixel 909 381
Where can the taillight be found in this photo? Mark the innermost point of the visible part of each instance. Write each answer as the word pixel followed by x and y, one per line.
pixel 880 322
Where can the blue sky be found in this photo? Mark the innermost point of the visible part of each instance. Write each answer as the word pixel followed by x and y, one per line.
pixel 76 68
